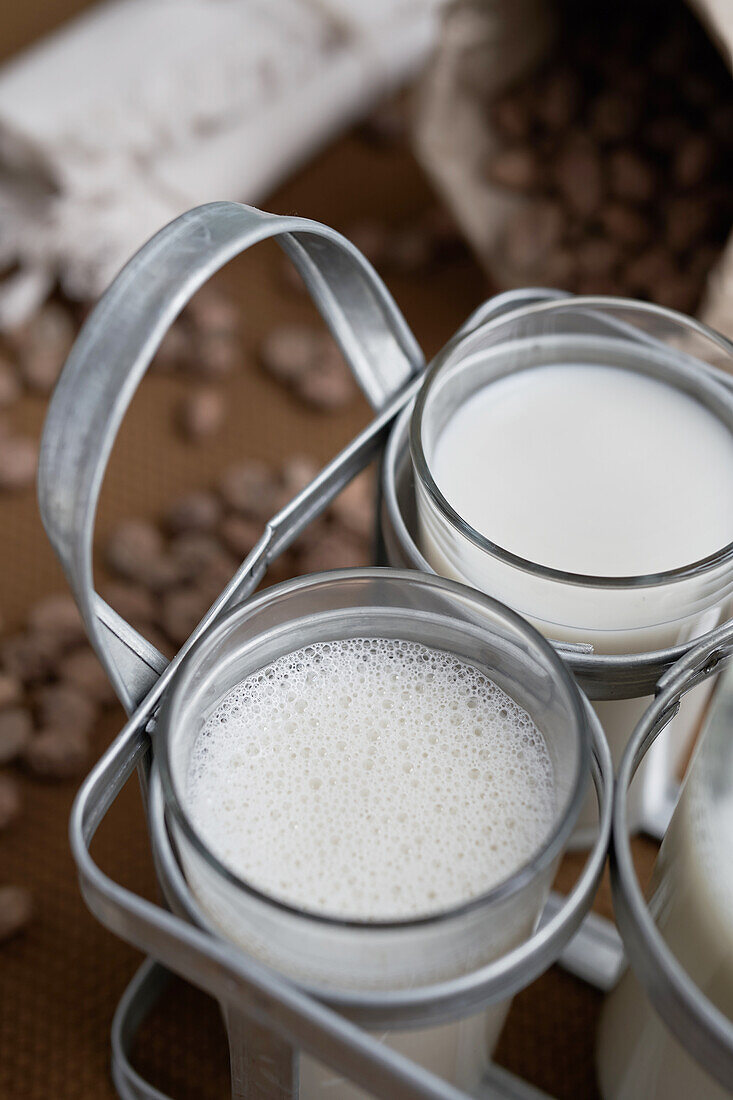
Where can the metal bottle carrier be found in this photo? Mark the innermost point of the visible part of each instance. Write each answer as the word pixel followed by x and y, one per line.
pixel 702 1029
pixel 106 364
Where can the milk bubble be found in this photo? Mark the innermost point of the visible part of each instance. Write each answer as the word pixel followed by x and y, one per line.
pixel 371 779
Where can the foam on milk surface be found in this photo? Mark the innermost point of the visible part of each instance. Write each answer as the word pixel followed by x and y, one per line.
pixel 582 467
pixel 371 779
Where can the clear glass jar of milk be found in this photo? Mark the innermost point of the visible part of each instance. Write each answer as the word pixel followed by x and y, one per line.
pixel 574 459
pixel 371 777
pixel 691 900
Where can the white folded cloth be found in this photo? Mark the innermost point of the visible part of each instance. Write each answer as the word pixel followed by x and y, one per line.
pixel 140 109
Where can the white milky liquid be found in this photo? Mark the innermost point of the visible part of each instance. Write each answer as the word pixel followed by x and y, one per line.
pixel 375 780
pixel 594 470
pixel 638 1058
pixel 371 780
pixel 582 468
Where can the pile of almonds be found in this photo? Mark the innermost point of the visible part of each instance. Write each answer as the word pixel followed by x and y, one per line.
pixel 170 574
pixel 620 149
pixel 30 361
pixel 52 692
pixel 166 576
pixel 205 346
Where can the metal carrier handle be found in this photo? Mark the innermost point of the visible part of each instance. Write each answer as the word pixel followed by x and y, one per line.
pixel 704 1031
pixel 117 343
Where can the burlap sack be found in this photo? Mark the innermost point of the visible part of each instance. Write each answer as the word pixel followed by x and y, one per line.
pixel 486 46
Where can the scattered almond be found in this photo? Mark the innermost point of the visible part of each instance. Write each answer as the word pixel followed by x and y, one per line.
pixel 57 754
pixel 16 910
pixel 15 733
pixel 18 462
pixel 11 801
pixel 82 669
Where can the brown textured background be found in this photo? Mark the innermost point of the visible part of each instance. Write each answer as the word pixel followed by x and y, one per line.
pixel 60 981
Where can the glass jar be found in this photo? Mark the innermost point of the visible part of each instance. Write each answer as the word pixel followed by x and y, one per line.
pixel 397 973
pixel 628 619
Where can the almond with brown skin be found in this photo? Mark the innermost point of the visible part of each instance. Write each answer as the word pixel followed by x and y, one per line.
pixel 82 669
pixel 631 177
pixel 240 533
pixel 353 508
pixel 597 256
pixel 558 99
pixel 201 414
pixel 132 601
pixel 197 511
pixel 515 167
pixel 182 611
pixel 693 161
pixel 372 238
pixel 625 224
pixel 57 754
pixel 334 550
pixel 511 116
pixel 10 389
pixel 174 351
pixel 195 552
pixel 18 462
pixel 16 910
pixel 58 615
pixel 613 116
pixel 215 355
pixel 15 733
pixel 11 801
pixel 11 690
pixel 648 269
pixel 686 219
pixel 214 313
pixel 579 175
pixel 678 291
pixel 408 250
pixel 297 473
pixel 29 656
pixel 65 706
pixel 250 488
pixel 133 549
pixel 289 351
pixel 42 346
pixel 531 234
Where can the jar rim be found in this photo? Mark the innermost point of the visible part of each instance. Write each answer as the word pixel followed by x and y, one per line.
pixel 540 859
pixel 445 359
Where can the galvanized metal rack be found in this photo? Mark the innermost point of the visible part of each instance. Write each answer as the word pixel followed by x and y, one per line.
pixel 107 363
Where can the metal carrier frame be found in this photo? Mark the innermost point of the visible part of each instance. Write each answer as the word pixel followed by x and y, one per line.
pixel 106 364
pixel 704 1031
